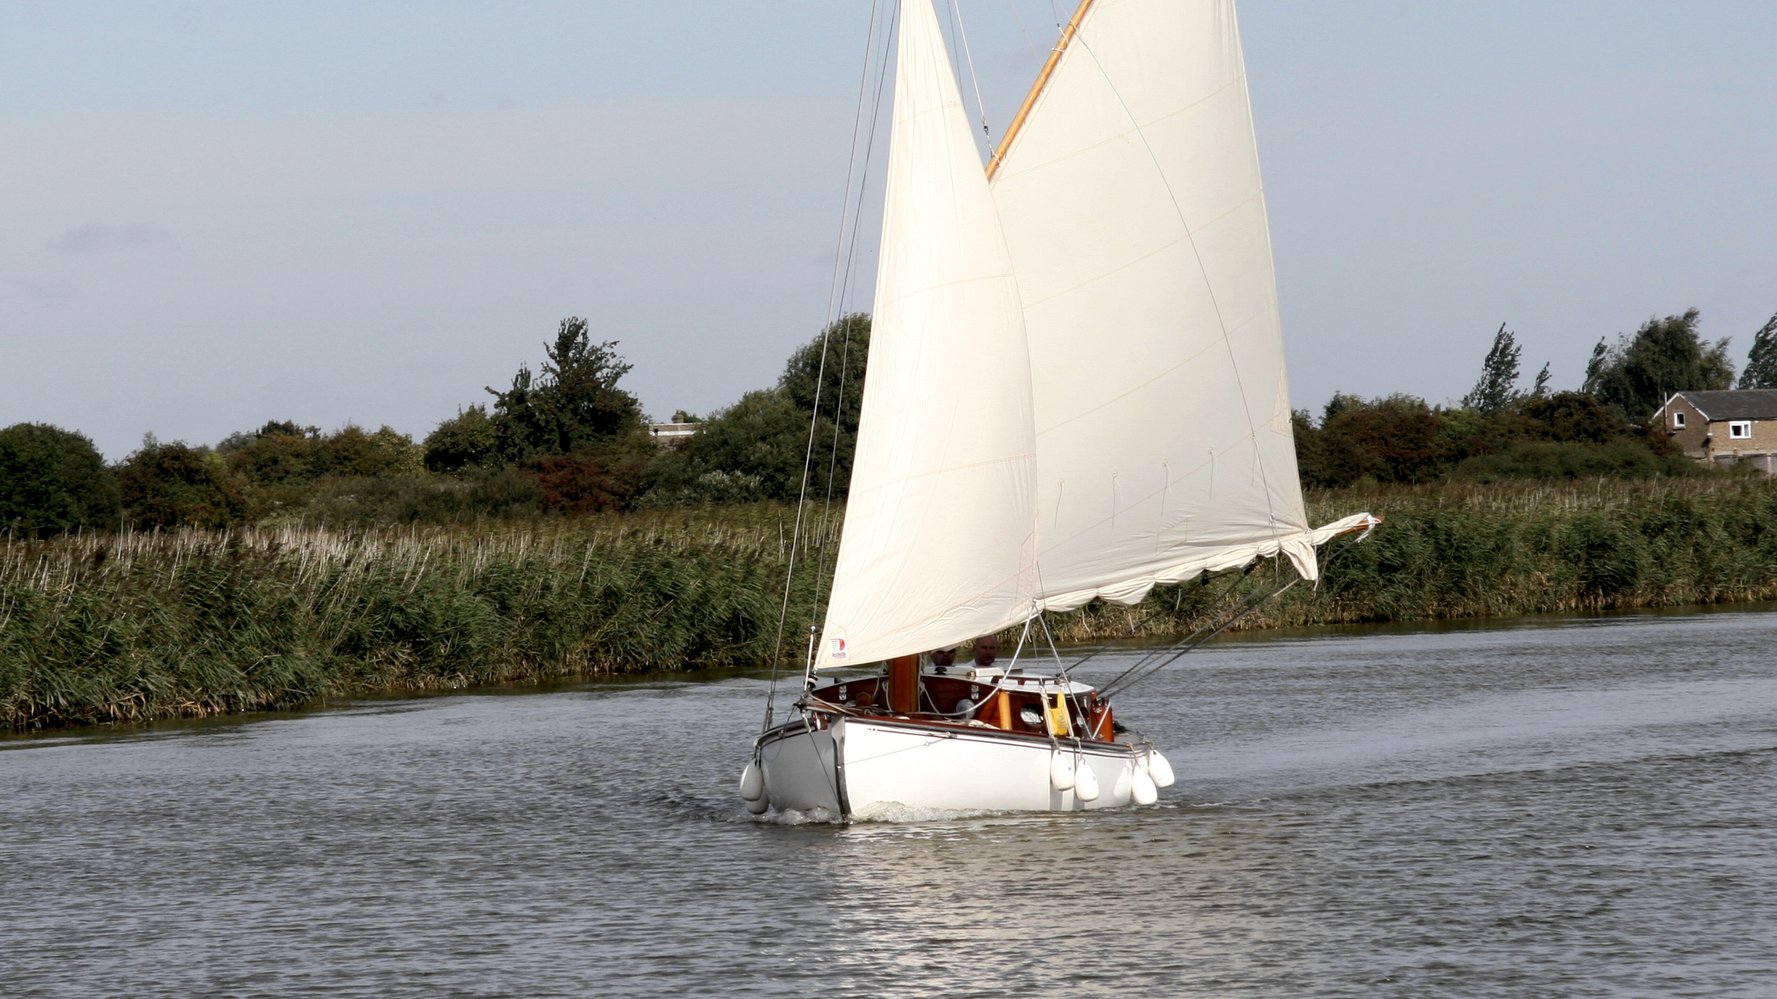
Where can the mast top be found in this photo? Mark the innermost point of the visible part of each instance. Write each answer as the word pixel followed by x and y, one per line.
pixel 1036 89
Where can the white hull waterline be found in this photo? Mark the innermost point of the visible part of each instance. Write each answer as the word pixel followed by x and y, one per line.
pixel 857 761
pixel 869 767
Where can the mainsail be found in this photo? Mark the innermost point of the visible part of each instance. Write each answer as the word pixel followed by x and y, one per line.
pixel 1076 378
pixel 1132 204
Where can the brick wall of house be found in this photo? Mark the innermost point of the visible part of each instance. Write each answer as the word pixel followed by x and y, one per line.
pixel 1762 441
pixel 1690 437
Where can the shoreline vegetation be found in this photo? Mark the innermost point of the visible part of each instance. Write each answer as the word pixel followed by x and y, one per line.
pixel 136 627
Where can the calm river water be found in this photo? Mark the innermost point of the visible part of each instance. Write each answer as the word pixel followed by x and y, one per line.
pixel 1561 808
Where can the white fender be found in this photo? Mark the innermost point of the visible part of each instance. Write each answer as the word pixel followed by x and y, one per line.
pixel 1142 788
pixel 1159 769
pixel 758 806
pixel 1085 782
pixel 752 784
pixel 1061 770
pixel 1121 791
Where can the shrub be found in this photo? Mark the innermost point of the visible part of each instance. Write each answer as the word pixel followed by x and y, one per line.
pixel 53 481
pixel 169 485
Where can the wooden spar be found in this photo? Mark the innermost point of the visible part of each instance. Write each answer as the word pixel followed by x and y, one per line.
pixel 1036 89
pixel 903 684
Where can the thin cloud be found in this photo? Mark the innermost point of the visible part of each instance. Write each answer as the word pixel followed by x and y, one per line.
pixel 108 238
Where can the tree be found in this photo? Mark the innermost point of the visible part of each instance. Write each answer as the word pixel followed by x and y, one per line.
pixel 1499 376
pixel 166 485
pixel 1573 417
pixel 1540 390
pixel 279 452
pixel 757 448
pixel 1761 361
pixel 1316 464
pixel 575 403
pixel 831 366
pixel 465 441
pixel 1665 356
pixel 764 435
pixel 592 479
pixel 52 481
pixel 1339 403
pixel 350 451
pixel 1393 439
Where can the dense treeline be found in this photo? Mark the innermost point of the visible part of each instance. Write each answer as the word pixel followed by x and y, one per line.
pixel 565 440
pixel 568 440
pixel 1498 432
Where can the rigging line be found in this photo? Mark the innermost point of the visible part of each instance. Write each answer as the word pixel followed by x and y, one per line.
pixel 1147 665
pixel 1061 674
pixel 1049 637
pixel 1232 584
pixel 828 551
pixel 839 265
pixel 968 59
pixel 1192 643
pixel 1036 48
pixel 1144 665
pixel 1068 33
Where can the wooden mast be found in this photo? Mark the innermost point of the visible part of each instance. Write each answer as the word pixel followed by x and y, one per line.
pixel 1067 35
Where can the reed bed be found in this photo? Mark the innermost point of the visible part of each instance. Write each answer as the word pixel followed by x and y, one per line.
pixel 139 626
pixel 1477 551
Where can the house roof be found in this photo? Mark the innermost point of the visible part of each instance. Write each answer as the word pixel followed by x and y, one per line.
pixel 1744 404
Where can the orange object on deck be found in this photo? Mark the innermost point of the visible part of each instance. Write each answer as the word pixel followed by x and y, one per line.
pixel 1104 730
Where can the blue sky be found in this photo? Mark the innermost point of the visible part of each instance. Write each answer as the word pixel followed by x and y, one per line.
pixel 217 214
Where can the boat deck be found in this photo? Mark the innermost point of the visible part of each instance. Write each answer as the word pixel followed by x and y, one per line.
pixel 957 696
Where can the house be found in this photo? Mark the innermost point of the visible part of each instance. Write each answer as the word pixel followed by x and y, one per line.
pixel 1732 427
pixel 672 433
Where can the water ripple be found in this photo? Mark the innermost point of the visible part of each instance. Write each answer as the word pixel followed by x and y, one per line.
pixel 1577 810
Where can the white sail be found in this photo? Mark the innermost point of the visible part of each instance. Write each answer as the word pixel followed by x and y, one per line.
pixel 938 541
pixel 1132 205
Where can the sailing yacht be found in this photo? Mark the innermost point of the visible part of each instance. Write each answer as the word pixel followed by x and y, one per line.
pixel 1098 307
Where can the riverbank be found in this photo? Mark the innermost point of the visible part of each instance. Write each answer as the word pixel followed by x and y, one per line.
pixel 135 627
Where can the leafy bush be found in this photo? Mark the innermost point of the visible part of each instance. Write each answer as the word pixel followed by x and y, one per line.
pixel 1622 458
pixel 592 480
pixel 465 441
pixel 52 481
pixel 479 495
pixel 170 485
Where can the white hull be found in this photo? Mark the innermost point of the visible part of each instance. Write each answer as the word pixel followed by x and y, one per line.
pixel 874 766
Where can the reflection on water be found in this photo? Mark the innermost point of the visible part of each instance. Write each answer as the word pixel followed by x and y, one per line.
pixel 1573 808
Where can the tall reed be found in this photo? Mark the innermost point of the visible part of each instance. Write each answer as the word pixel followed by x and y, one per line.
pixel 137 626
pixel 1478 551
